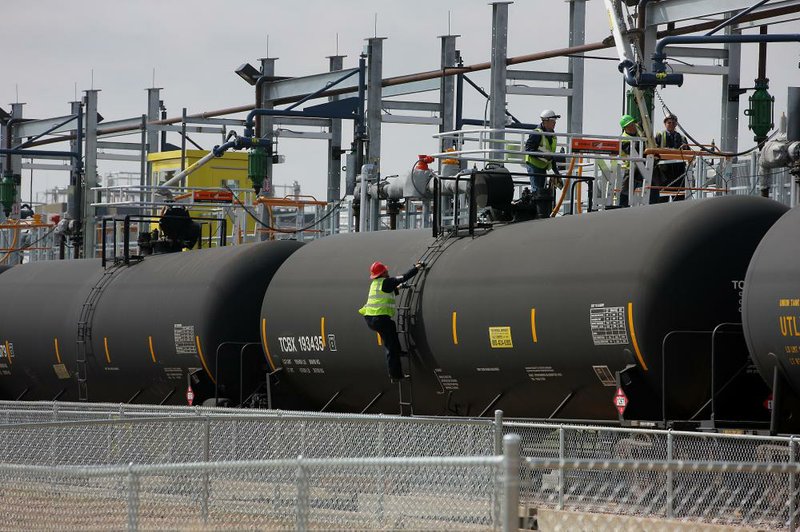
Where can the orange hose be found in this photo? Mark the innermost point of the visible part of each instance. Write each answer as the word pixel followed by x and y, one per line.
pixel 565 189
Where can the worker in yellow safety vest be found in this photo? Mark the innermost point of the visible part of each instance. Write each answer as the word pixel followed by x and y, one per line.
pixel 539 165
pixel 671 172
pixel 380 308
pixel 630 129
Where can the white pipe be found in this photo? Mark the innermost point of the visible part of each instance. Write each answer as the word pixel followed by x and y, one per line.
pixel 174 180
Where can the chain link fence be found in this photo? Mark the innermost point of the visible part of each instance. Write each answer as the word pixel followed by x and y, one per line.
pixel 233 438
pixel 301 494
pixel 629 494
pixel 73 436
pixel 748 497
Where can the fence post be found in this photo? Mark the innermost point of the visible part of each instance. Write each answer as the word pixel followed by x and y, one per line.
pixel 793 495
pixel 133 499
pixel 498 432
pixel 670 476
pixel 301 514
pixel 561 453
pixel 382 475
pixel 206 457
pixel 511 465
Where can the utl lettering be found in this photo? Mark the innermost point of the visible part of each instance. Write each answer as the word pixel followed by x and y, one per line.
pixel 789 326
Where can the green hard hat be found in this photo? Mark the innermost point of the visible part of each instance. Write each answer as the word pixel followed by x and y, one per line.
pixel 625 120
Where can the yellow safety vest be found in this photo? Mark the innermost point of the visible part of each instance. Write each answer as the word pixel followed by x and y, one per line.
pixel 626 163
pixel 379 303
pixel 548 143
pixel 662 139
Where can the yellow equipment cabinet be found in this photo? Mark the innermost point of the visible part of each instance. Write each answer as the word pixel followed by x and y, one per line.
pixel 229 170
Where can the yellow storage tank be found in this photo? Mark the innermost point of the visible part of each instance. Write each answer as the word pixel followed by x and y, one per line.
pixel 229 170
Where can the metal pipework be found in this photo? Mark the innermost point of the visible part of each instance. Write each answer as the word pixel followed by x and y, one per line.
pixel 659 75
pixel 434 74
pixel 237 144
pixel 250 122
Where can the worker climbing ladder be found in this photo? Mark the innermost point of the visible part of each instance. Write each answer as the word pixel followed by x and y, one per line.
pixel 408 306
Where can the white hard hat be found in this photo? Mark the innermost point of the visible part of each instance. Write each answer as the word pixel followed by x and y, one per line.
pixel 547 114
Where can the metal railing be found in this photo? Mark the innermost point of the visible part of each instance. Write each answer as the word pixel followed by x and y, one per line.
pixel 706 174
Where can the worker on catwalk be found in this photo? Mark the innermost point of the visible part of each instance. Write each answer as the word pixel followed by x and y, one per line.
pixel 380 309
pixel 630 128
pixel 538 166
pixel 671 172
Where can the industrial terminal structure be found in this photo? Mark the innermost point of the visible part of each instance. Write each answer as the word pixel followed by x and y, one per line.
pixel 599 331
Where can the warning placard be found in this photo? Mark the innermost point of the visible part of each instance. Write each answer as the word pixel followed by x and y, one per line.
pixel 620 401
pixel 184 339
pixel 608 325
pixel 500 337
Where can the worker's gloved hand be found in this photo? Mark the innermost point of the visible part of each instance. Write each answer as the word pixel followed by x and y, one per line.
pixel 420 265
pixel 559 182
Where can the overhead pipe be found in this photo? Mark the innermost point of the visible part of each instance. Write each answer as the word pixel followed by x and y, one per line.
pixel 736 17
pixel 38 153
pixel 659 75
pixel 434 74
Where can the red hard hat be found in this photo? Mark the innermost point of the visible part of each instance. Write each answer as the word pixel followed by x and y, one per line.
pixel 377 269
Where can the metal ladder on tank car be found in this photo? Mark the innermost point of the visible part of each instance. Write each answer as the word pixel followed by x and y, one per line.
pixel 407 309
pixel 84 343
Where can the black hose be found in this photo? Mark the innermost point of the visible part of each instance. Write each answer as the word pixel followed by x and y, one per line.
pixel 286 231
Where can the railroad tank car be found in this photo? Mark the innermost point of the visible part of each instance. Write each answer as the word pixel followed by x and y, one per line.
pixel 771 312
pixel 149 325
pixel 536 318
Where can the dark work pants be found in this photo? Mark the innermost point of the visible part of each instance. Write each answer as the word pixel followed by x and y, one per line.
pixel 384 325
pixel 537 177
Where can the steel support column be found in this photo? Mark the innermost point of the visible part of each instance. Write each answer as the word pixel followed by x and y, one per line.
pixel 447 92
pixel 153 145
pixel 16 160
pixel 577 37
pixel 90 173
pixel 336 63
pixel 266 127
pixel 75 192
pixel 374 77
pixel 267 122
pixel 729 135
pixel 497 106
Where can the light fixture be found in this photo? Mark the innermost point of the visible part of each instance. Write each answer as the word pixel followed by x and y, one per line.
pixel 249 73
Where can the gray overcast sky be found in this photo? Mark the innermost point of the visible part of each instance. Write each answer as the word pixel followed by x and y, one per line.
pixel 51 46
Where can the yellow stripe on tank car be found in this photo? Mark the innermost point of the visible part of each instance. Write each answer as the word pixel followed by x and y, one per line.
pixel 152 352
pixel 322 330
pixel 105 344
pixel 633 337
pixel 455 331
pixel 58 355
pixel 203 359
pixel 8 353
pixel 264 343
pixel 533 326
